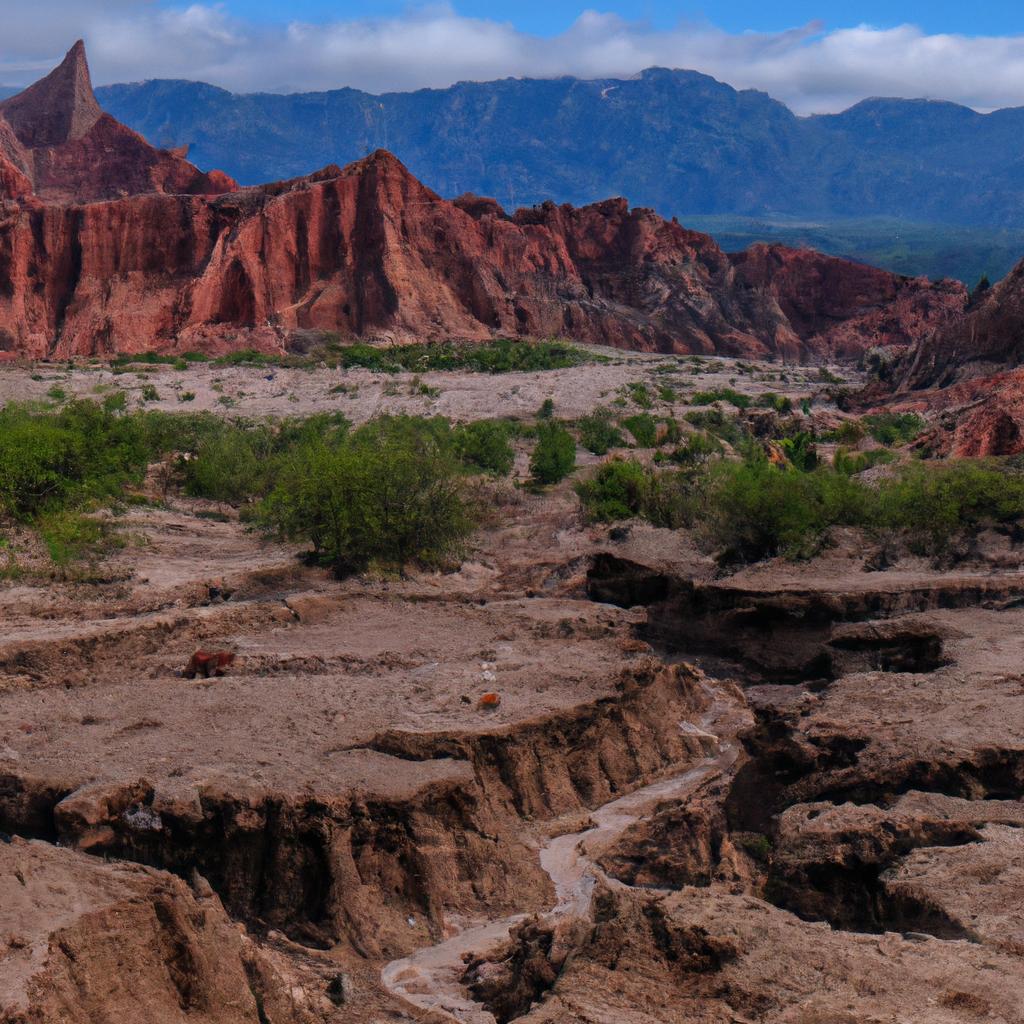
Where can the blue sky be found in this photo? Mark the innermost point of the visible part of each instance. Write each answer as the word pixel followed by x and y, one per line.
pixel 814 55
pixel 551 17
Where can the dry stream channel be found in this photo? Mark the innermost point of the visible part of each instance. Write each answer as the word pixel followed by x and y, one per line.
pixel 429 980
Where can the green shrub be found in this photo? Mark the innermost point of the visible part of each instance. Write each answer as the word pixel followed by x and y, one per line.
pixel 389 494
pixel 721 395
pixel 554 455
pixel 850 463
pixel 70 536
pixel 780 403
pixel 547 409
pixel 933 503
pixel 667 393
pixel 849 432
pixel 699 449
pixel 186 396
pixel 616 491
pixel 644 428
pixel 598 433
pixel 640 394
pixel 150 393
pixel 715 421
pixel 755 510
pixel 800 451
pixel 891 428
pixel 485 445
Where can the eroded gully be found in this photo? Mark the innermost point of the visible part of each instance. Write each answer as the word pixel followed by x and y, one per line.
pixel 428 981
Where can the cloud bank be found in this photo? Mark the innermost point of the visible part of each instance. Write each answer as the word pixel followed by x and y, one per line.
pixel 812 69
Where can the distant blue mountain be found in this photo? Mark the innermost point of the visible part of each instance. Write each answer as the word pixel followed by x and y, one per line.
pixel 678 141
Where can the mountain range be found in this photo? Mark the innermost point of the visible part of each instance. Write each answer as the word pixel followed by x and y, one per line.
pixel 109 244
pixel 679 142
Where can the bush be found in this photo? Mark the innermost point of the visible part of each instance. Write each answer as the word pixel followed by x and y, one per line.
pixel 800 451
pixel 721 395
pixel 52 460
pixel 554 455
pixel 934 503
pixel 698 450
pixel 755 510
pixel 716 422
pixel 640 394
pixel 644 428
pixel 150 393
pixel 891 428
pixel 485 445
pixel 547 409
pixel 780 403
pixel 598 433
pixel 616 491
pixel 389 494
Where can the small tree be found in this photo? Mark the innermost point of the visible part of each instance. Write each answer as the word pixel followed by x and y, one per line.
pixel 554 456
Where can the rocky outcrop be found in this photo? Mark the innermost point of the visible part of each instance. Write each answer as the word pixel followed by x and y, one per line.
pixel 155 261
pixel 838 308
pixel 968 375
pixel 82 940
pixel 60 142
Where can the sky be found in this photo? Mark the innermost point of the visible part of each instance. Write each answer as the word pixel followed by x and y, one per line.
pixel 814 55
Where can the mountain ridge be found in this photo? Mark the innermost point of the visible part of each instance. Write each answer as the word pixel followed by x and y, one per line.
pixel 678 141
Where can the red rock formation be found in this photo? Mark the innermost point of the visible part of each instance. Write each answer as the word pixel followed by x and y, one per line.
pixel 369 251
pixel 839 308
pixel 70 151
pixel 968 376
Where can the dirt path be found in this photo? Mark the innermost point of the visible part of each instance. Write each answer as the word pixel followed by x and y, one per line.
pixel 429 980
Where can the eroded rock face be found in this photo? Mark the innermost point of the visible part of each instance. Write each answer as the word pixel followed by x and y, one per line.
pixel 369 251
pixel 82 940
pixel 62 144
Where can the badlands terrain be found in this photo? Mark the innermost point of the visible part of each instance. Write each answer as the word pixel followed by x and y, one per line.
pixel 786 793
pixel 680 680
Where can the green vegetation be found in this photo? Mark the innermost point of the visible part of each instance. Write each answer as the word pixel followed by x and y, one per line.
pixel 644 428
pixel 780 403
pixel 503 355
pixel 641 395
pixel 598 432
pixel 618 490
pixel 547 409
pixel 485 445
pixel 389 493
pixel 800 451
pixel 721 395
pixel 890 428
pixel 751 509
pixel 715 421
pixel 554 455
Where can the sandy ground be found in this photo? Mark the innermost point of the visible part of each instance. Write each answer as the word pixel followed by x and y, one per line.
pixel 361 394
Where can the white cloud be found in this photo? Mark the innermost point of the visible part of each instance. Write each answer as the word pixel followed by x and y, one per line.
pixel 811 68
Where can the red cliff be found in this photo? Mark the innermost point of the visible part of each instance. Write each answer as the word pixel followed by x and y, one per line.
pixel 369 251
pixel 60 140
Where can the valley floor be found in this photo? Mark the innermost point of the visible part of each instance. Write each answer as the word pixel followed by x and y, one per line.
pixel 792 794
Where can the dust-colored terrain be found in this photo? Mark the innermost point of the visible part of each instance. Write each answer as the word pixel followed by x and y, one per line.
pixel 788 794
pixel 361 394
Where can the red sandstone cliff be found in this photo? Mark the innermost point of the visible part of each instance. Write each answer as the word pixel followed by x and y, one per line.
pixel 369 251
pixel 57 138
pixel 970 375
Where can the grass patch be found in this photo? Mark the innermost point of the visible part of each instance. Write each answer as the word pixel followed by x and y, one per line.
pixel 721 395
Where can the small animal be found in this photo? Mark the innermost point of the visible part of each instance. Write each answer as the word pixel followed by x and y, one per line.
pixel 209 663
